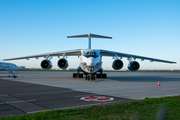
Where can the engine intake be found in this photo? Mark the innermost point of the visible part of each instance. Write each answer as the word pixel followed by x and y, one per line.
pixel 133 66
pixel 62 63
pixel 46 64
pixel 117 64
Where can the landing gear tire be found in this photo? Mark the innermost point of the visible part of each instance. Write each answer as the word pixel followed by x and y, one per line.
pixel 81 75
pixel 93 77
pixel 104 76
pixel 98 75
pixel 74 75
pixel 101 75
pixel 15 76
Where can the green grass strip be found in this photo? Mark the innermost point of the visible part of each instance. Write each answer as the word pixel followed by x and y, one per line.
pixel 147 109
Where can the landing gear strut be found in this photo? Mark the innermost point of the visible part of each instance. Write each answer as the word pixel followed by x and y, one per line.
pixel 90 77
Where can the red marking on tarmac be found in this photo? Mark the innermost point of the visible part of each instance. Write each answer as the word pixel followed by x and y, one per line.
pixel 97 98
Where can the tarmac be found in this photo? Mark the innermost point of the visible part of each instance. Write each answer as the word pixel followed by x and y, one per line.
pixel 38 91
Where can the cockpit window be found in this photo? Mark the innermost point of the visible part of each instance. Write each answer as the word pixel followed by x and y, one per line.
pixel 90 54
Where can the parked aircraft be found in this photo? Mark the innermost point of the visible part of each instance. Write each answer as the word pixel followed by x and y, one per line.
pixel 91 59
pixel 9 67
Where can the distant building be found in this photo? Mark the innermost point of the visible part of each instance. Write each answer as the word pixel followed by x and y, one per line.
pixel 22 67
pixel 71 69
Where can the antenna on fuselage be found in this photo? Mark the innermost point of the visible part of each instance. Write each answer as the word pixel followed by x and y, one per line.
pixel 89 36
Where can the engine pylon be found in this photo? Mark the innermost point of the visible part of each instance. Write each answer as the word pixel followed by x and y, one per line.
pixel 159 83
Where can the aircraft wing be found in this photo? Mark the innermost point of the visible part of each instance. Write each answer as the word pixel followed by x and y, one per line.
pixel 119 54
pixel 61 53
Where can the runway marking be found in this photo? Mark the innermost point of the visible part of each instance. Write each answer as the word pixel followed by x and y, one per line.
pixel 97 98
pixel 4 95
pixel 38 93
pixel 14 102
pixel 18 101
pixel 31 100
pixel 138 91
pixel 110 94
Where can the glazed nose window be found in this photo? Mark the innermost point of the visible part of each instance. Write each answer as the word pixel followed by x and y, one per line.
pixel 90 54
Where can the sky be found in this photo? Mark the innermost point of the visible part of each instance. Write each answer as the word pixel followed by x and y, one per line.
pixel 148 28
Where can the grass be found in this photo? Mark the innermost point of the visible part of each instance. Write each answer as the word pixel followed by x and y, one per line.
pixel 146 109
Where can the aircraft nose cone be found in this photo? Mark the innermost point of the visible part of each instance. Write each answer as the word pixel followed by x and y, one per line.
pixel 90 64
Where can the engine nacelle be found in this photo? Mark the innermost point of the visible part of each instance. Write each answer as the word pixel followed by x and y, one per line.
pixel 117 64
pixel 62 63
pixel 46 64
pixel 133 66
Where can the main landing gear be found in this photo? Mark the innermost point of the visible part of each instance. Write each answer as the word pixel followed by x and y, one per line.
pixel 80 75
pixel 101 75
pixel 90 77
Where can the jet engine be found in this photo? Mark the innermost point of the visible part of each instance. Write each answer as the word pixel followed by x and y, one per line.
pixel 46 64
pixel 117 64
pixel 62 63
pixel 133 66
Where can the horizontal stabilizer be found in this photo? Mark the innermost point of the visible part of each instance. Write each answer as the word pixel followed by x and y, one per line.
pixel 89 35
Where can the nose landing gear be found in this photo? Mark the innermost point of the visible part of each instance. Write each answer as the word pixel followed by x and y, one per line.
pixel 89 77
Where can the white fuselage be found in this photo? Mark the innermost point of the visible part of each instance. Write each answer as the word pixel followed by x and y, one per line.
pixel 8 66
pixel 90 61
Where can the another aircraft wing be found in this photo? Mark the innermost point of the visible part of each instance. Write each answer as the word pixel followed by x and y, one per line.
pixel 61 53
pixel 119 54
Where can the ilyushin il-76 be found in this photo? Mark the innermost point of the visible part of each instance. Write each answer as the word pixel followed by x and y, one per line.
pixel 91 59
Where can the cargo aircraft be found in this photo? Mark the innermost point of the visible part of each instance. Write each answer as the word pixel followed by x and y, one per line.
pixel 91 59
